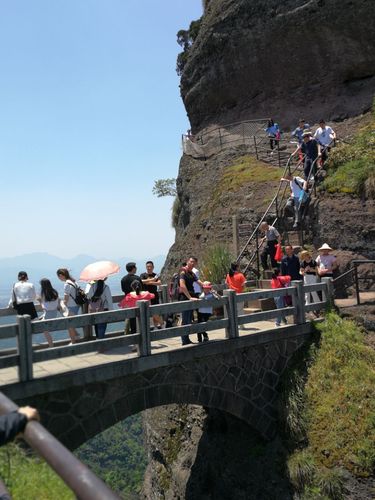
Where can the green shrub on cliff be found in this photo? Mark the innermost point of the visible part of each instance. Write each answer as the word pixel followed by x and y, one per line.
pixel 215 263
pixel 28 477
pixel 337 409
pixel 351 167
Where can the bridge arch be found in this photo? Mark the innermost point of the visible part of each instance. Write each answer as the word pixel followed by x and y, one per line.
pixel 242 382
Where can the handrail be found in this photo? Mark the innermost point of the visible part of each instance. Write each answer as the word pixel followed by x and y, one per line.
pixel 271 204
pixel 26 356
pixel 354 270
pixel 77 476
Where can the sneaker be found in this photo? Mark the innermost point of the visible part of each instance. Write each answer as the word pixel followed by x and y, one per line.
pixel 206 339
pixel 285 321
pixel 277 324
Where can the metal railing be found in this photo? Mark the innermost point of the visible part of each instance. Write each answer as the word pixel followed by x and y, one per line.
pixel 77 476
pixel 351 277
pixel 211 141
pixel 24 328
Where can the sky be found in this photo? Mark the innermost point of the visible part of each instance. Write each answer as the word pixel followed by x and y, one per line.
pixel 90 116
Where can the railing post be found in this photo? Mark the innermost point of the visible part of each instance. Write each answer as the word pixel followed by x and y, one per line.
pixel 230 312
pixel 256 148
pixel 221 143
pixel 299 302
pixel 164 294
pixel 144 328
pixel 87 329
pixel 25 348
pixel 356 284
pixel 278 152
pixel 328 294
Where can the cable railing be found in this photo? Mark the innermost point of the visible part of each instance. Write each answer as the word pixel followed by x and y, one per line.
pixel 77 476
pixel 351 277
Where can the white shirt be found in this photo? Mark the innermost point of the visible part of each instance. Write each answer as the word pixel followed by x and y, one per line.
pixel 50 305
pixel 105 301
pixel 324 135
pixel 296 189
pixel 70 289
pixel 24 293
pixel 197 288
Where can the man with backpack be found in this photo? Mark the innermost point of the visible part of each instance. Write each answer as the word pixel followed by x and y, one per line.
pixel 187 278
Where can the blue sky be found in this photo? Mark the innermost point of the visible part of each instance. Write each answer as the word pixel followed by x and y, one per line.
pixel 90 116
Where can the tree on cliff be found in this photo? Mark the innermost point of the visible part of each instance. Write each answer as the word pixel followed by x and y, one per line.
pixel 164 187
pixel 186 38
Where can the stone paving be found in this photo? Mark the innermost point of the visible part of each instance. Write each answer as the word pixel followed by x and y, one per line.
pixel 56 366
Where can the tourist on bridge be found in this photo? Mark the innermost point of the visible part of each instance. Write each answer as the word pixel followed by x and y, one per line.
pixel 205 312
pixel 136 294
pixel 70 293
pixel 51 305
pixel 309 270
pixel 327 263
pixel 311 150
pixel 23 296
pixel 100 299
pixel 278 281
pixel 325 137
pixel 290 265
pixel 186 292
pixel 271 238
pixel 236 281
pixel 150 282
pixel 126 283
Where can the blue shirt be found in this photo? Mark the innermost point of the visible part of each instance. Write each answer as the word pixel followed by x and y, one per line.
pixel 297 133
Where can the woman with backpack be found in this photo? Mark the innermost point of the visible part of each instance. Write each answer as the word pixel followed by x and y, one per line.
pixel 70 294
pixel 50 302
pixel 100 299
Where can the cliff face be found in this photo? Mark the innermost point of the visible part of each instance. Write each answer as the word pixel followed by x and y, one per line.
pixel 205 454
pixel 287 59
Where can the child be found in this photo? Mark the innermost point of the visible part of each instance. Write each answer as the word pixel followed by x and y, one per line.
pixel 205 312
pixel 278 281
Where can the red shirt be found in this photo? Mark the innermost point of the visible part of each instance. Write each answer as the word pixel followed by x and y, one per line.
pixel 131 300
pixel 280 281
pixel 236 282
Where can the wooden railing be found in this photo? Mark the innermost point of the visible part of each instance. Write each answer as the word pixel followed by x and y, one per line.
pixel 23 329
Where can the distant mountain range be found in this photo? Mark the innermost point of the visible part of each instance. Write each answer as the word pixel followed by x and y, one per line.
pixel 43 265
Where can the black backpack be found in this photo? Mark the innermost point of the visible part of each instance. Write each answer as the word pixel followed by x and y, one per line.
pixel 174 287
pixel 81 298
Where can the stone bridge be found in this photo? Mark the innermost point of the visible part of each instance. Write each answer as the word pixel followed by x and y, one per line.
pixel 240 376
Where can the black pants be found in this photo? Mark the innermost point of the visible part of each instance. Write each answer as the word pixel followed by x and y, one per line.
pixel 307 167
pixel 269 250
pixel 203 318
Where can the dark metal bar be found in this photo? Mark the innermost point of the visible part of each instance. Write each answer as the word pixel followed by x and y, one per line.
pixel 74 473
pixel 356 284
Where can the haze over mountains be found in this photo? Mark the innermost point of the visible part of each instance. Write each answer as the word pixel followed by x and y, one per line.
pixel 40 264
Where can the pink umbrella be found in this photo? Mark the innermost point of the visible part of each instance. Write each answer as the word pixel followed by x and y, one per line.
pixel 99 270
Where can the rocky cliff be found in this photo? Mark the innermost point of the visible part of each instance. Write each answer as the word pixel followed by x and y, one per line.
pixel 285 59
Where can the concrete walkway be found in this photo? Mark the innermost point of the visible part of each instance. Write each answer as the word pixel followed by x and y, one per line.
pixel 78 361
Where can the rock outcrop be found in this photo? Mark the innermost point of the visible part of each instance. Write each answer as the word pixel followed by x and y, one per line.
pixel 287 59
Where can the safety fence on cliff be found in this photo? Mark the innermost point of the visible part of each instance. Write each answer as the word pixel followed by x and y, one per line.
pixel 212 140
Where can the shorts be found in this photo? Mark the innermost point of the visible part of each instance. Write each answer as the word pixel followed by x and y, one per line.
pixel 50 314
pixel 73 310
pixel 155 300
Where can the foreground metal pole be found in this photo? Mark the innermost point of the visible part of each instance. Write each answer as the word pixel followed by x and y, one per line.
pixel 230 312
pixel 80 479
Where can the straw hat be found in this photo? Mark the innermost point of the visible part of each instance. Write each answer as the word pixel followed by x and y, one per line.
pixel 306 133
pixel 304 254
pixel 325 246
pixel 206 284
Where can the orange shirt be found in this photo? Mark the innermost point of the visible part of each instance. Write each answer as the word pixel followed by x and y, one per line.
pixel 236 282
